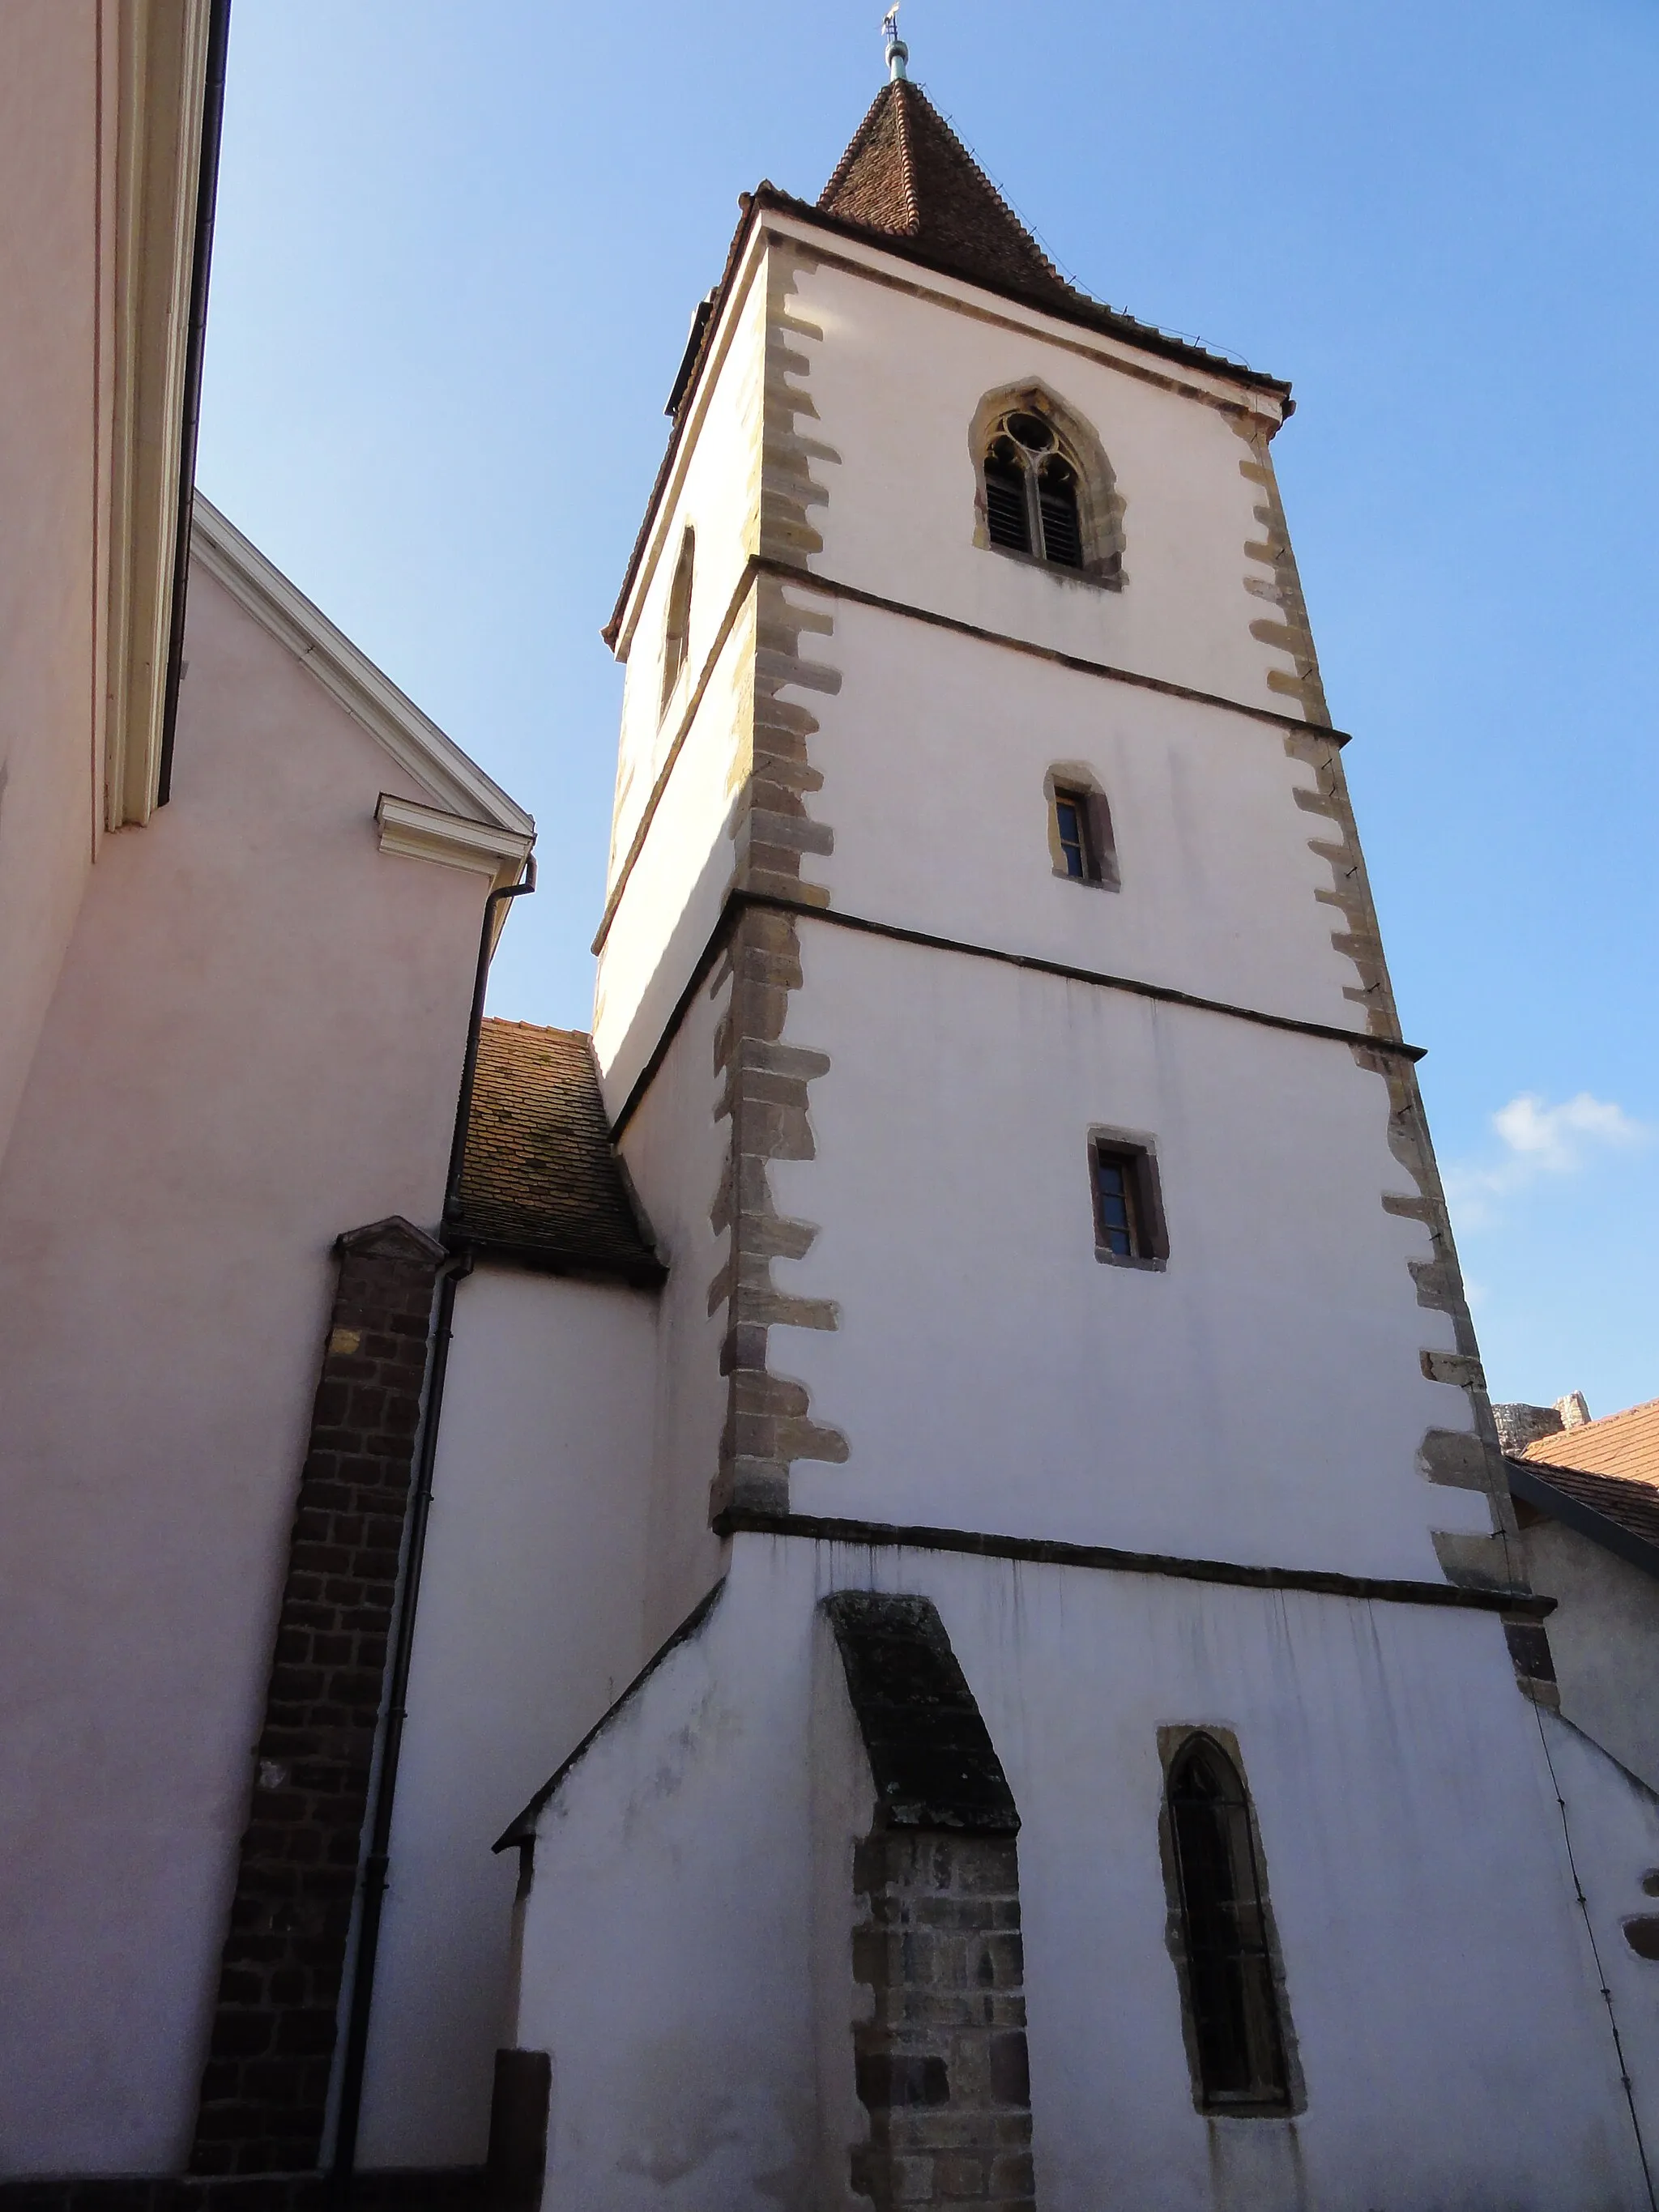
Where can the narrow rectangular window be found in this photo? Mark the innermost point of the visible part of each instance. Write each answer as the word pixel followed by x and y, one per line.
pixel 1128 1207
pixel 1114 1204
pixel 1080 842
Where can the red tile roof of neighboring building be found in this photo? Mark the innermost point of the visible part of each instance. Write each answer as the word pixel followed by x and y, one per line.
pixel 542 1179
pixel 1624 1444
pixel 1633 1507
pixel 1600 1478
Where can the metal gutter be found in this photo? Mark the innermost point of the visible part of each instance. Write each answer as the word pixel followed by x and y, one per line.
pixel 207 194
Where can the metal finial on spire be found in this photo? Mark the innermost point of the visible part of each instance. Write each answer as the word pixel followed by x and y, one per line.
pixel 897 52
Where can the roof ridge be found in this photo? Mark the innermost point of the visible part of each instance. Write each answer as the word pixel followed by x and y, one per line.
pixel 541 1029
pixel 855 146
pixel 908 174
pixel 908 157
pixel 1607 1420
pixel 1000 197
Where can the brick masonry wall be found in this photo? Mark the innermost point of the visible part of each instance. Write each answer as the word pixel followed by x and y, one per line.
pixel 941 2064
pixel 265 2086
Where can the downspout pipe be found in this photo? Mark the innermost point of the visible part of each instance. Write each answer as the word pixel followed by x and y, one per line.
pixel 496 900
pixel 377 1856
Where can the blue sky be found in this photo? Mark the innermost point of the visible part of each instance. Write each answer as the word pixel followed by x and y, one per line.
pixel 457 248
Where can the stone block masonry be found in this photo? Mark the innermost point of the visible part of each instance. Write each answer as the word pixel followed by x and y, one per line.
pixel 941 2064
pixel 941 2060
pixel 264 2090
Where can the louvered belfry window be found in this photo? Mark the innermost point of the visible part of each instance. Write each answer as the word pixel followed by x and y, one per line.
pixel 1031 491
pixel 1240 2047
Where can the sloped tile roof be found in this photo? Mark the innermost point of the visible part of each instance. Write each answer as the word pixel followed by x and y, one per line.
pixel 1631 1506
pixel 542 1179
pixel 907 174
pixel 1625 1443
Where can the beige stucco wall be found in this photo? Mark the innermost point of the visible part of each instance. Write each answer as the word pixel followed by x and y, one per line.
pixel 255 1044
pixel 54 310
pixel 101 107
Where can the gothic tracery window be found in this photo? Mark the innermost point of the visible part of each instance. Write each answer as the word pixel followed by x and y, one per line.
pixel 1031 490
pixel 1233 2004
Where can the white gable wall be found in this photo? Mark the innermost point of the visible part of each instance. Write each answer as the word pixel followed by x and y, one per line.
pixel 531 1624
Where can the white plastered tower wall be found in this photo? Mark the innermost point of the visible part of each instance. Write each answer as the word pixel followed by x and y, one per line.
pixel 945 681
pixel 1254 1490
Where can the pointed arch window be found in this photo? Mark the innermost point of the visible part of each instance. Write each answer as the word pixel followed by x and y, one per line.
pixel 1222 1934
pixel 1031 491
pixel 676 630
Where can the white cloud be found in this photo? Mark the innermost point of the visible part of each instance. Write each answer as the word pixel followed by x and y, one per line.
pixel 1538 1141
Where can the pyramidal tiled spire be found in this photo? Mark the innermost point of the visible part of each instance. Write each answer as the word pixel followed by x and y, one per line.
pixel 907 174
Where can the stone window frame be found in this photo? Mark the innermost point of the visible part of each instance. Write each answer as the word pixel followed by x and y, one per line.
pixel 676 621
pixel 1100 504
pixel 1173 1741
pixel 1077 778
pixel 1141 1151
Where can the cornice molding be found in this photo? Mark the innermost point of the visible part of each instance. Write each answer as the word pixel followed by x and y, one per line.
pixel 456 785
pixel 453 841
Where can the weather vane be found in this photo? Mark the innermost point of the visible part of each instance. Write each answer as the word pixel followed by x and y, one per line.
pixel 897 52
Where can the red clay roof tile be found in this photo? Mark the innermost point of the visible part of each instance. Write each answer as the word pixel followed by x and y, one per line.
pixel 1625 1445
pixel 542 1179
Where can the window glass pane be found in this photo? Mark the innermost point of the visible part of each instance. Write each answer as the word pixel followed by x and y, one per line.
pixel 1115 1206
pixel 1230 1974
pixel 1069 816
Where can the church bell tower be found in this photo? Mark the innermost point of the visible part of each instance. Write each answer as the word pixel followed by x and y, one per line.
pixel 1095 1648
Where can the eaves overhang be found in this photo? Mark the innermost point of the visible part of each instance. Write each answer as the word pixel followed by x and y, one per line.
pixel 1079 312
pixel 1531 1483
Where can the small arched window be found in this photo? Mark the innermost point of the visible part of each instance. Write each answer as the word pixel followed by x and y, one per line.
pixel 1224 1938
pixel 676 630
pixel 1031 491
